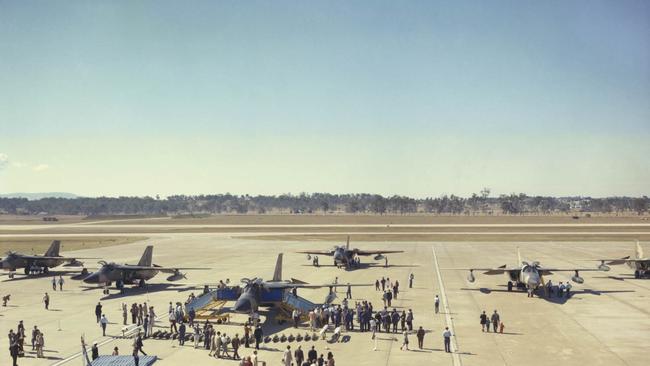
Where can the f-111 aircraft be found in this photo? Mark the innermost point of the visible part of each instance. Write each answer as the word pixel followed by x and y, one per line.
pixel 132 274
pixel 344 257
pixel 640 264
pixel 50 259
pixel 526 275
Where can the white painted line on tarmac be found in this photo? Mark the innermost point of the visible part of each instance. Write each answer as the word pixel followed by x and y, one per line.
pixel 455 356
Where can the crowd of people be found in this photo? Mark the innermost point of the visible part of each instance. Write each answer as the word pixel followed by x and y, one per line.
pixel 17 342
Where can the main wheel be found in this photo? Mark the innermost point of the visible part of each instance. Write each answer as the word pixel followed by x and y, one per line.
pixel 637 274
pixel 509 285
pixel 141 283
pixel 27 270
pixel 46 270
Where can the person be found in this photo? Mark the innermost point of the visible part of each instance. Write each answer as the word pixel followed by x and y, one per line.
pixel 560 290
pixel 191 315
pixel 395 289
pixel 14 349
pixel 321 360
pixel 136 358
pixel 94 351
pixel 312 355
pixel 295 315
pixel 299 355
pixel 549 288
pixel 197 334
pixel 436 302
pixel 60 283
pixel 330 358
pixel 484 322
pixel 287 357
pixel 116 351
pixel 411 277
pixel 103 322
pixel 447 338
pixel 495 321
pixel 145 325
pixel 215 349
pixel 348 294
pixel 35 332
pixel 172 322
pixel 138 344
pixel 181 334
pixel 420 335
pixel 124 313
pixel 247 335
pixel 409 320
pixel 98 311
pixel 405 342
pixel 54 283
pixel 40 343
pixel 383 284
pixel 258 336
pixel 152 319
pixel 567 288
pixel 501 326
pixel 377 285
pixel 225 341
pixel 46 301
pixel 236 342
pixel 254 358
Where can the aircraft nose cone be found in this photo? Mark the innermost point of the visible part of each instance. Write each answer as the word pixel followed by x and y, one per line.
pixel 243 306
pixel 92 278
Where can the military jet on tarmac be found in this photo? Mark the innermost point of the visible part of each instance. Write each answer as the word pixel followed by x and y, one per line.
pixel 43 263
pixel 528 275
pixel 256 292
pixel 348 258
pixel 640 264
pixel 131 274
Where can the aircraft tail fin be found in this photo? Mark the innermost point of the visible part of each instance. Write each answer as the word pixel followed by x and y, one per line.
pixel 347 243
pixel 639 251
pixel 53 250
pixel 147 257
pixel 277 274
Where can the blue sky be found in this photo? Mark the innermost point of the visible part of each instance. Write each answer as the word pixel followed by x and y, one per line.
pixel 416 98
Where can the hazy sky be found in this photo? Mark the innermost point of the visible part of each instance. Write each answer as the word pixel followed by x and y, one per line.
pixel 416 98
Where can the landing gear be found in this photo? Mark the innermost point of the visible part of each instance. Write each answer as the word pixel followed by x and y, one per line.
pixel 27 269
pixel 637 274
pixel 141 284
pixel 509 286
pixel 46 270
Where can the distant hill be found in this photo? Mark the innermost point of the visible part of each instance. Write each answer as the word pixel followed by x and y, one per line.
pixel 38 195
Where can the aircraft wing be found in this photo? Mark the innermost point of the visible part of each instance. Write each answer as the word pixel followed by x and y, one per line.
pixel 281 285
pixel 546 271
pixel 488 271
pixel 317 252
pixel 374 252
pixel 157 268
pixel 40 257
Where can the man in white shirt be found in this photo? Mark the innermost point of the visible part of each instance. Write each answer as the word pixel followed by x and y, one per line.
pixel 447 337
pixel 287 357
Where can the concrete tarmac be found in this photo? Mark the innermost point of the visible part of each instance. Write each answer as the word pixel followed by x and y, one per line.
pixel 605 322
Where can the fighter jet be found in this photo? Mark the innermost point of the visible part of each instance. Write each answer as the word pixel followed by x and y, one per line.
pixel 256 292
pixel 131 274
pixel 527 275
pixel 344 257
pixel 640 264
pixel 44 262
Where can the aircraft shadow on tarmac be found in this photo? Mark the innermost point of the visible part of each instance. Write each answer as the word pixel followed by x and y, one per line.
pixel 21 276
pixel 555 299
pixel 622 277
pixel 153 287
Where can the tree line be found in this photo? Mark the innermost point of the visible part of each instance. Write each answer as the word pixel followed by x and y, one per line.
pixel 304 203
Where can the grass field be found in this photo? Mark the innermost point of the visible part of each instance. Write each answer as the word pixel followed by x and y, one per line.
pixel 40 245
pixel 343 219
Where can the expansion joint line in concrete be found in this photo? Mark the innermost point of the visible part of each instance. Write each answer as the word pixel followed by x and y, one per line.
pixel 455 355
